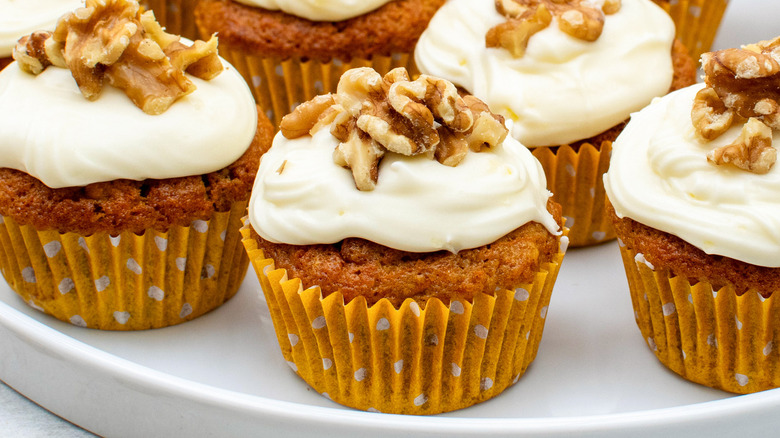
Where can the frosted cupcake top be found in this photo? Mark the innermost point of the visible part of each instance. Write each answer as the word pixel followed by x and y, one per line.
pixel 340 175
pixel 319 10
pixel 53 130
pixel 22 17
pixel 562 88
pixel 701 166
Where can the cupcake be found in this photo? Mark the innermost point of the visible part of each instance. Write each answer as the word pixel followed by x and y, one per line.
pixel 567 88
pixel 177 16
pixel 697 21
pixel 20 18
pixel 292 51
pixel 694 187
pixel 406 246
pixel 120 206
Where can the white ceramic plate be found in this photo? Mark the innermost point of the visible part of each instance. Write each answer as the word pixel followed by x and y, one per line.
pixel 222 375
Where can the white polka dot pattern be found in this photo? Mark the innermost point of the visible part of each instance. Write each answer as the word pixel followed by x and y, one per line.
pixel 360 374
pixel 161 242
pixel 382 324
pixel 133 266
pixel 28 274
pixel 66 285
pixel 186 310
pixel 78 321
pixel 52 248
pixel 102 283
pixel 155 293
pixel 122 317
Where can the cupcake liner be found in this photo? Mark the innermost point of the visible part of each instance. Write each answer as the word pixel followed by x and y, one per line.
pixel 279 85
pixel 410 360
pixel 697 22
pixel 709 336
pixel 129 281
pixel 175 15
pixel 575 179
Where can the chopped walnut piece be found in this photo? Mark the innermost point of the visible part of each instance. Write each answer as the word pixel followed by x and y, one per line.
pixel 305 116
pixel 112 41
pixel 513 35
pixel 710 116
pixel 752 151
pixel 578 18
pixel 371 114
pixel 30 52
pixel 361 154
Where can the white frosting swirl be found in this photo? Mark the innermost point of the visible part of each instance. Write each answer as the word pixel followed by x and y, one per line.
pixel 563 89
pixel 53 133
pixel 319 10
pixel 659 176
pixel 23 17
pixel 418 204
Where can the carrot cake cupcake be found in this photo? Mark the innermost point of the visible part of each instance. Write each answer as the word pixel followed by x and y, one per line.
pixel 291 51
pixel 123 179
pixel 407 247
pixel 22 17
pixel 694 186
pixel 568 74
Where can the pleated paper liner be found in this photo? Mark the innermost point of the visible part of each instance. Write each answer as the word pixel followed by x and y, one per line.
pixel 697 22
pixel 575 179
pixel 410 360
pixel 176 16
pixel 711 337
pixel 129 281
pixel 279 85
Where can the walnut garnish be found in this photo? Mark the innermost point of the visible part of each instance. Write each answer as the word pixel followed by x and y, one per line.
pixel 112 41
pixel 371 114
pixel 578 18
pixel 741 84
pixel 752 151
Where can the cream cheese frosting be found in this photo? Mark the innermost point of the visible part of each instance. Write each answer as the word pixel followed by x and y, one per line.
pixel 659 176
pixel 23 17
pixel 319 10
pixel 563 89
pixel 50 131
pixel 418 205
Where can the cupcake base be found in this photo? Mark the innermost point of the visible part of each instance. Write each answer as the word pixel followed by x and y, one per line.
pixel 279 85
pixel 129 281
pixel 412 360
pixel 575 179
pixel 709 336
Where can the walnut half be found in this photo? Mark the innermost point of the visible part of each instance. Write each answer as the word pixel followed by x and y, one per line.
pixel 112 41
pixel 371 114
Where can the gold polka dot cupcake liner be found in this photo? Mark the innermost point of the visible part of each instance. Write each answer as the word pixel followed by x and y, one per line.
pixel 412 360
pixel 709 336
pixel 575 179
pixel 279 85
pixel 176 16
pixel 129 281
pixel 697 22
